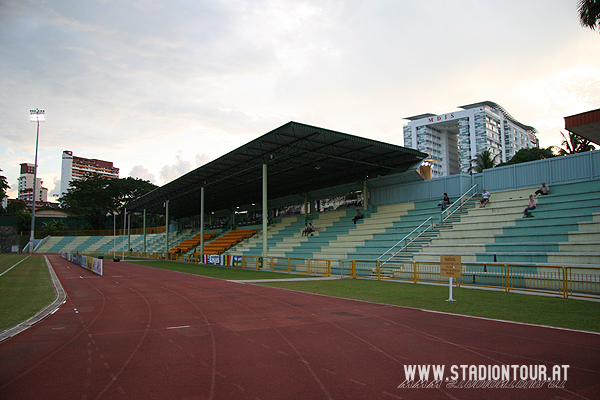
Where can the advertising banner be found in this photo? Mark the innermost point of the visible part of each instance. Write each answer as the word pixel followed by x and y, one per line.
pixel 215 259
pixel 90 263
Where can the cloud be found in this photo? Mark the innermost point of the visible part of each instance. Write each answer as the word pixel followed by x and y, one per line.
pixel 202 159
pixel 141 172
pixel 54 189
pixel 132 81
pixel 171 172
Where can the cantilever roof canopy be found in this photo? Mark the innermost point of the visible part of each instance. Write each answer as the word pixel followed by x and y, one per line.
pixel 300 159
pixel 586 125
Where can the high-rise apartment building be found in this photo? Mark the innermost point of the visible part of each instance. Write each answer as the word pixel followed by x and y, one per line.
pixel 25 188
pixel 454 139
pixel 75 168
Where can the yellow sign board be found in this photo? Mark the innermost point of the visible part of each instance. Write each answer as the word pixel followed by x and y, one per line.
pixel 450 266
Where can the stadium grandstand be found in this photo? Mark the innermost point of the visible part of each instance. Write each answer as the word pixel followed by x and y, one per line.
pixel 299 174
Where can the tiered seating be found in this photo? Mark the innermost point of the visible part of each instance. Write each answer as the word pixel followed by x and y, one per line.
pixel 88 244
pixel 159 243
pixel 565 229
pixel 230 239
pixel 192 242
pixel 285 239
pixel 56 244
pixel 338 238
pixel 277 233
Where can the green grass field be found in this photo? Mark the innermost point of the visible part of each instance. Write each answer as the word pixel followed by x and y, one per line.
pixel 533 309
pixel 215 271
pixel 24 290
pixel 27 288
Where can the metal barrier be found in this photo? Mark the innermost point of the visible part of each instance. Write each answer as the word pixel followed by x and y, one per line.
pixel 580 281
pixel 308 266
pixel 565 281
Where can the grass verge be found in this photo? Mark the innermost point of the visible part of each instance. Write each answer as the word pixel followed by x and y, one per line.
pixel 532 309
pixel 526 308
pixel 24 290
pixel 214 271
pixel 8 260
pixel 27 288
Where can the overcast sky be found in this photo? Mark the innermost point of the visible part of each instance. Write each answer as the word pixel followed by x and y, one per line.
pixel 161 87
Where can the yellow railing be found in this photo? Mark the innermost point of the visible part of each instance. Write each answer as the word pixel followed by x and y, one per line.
pixel 308 266
pixel 565 281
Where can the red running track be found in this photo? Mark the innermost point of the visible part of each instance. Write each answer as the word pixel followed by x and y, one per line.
pixel 145 333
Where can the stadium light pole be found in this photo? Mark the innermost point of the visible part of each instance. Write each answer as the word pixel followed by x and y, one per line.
pixel 38 116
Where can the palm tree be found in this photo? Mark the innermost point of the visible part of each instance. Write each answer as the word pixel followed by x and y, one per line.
pixel 589 13
pixel 574 144
pixel 483 160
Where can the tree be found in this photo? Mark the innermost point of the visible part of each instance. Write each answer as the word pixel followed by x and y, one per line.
pixel 96 197
pixel 574 144
pixel 483 160
pixel 15 206
pixel 54 225
pixel 589 13
pixel 3 187
pixel 23 220
pixel 533 154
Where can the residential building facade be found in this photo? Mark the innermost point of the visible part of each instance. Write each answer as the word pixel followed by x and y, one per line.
pixel 454 139
pixel 75 168
pixel 25 186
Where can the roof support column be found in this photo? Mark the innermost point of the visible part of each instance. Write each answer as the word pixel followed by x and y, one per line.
pixel 124 230
pixel 144 226
pixel 202 224
pixel 167 228
pixel 365 195
pixel 129 232
pixel 305 205
pixel 264 215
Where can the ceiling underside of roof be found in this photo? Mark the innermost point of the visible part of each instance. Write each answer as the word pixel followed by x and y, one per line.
pixel 300 159
pixel 586 125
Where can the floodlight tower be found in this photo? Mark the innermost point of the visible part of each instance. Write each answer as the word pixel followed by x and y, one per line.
pixel 38 116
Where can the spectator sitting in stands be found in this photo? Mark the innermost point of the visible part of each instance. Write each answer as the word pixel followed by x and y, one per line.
pixel 311 229
pixel 544 190
pixel 445 201
pixel 305 230
pixel 485 198
pixel 357 216
pixel 530 207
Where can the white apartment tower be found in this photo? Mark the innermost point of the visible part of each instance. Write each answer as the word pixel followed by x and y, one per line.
pixel 25 188
pixel 75 168
pixel 454 139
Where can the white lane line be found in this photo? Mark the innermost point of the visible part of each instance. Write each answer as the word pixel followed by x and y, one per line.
pixel 15 265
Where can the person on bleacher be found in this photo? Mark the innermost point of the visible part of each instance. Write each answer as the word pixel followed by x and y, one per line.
pixel 530 207
pixel 357 216
pixel 544 190
pixel 485 198
pixel 306 230
pixel 311 229
pixel 445 201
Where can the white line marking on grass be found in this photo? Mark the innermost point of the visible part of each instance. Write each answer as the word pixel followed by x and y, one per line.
pixel 511 322
pixel 15 265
